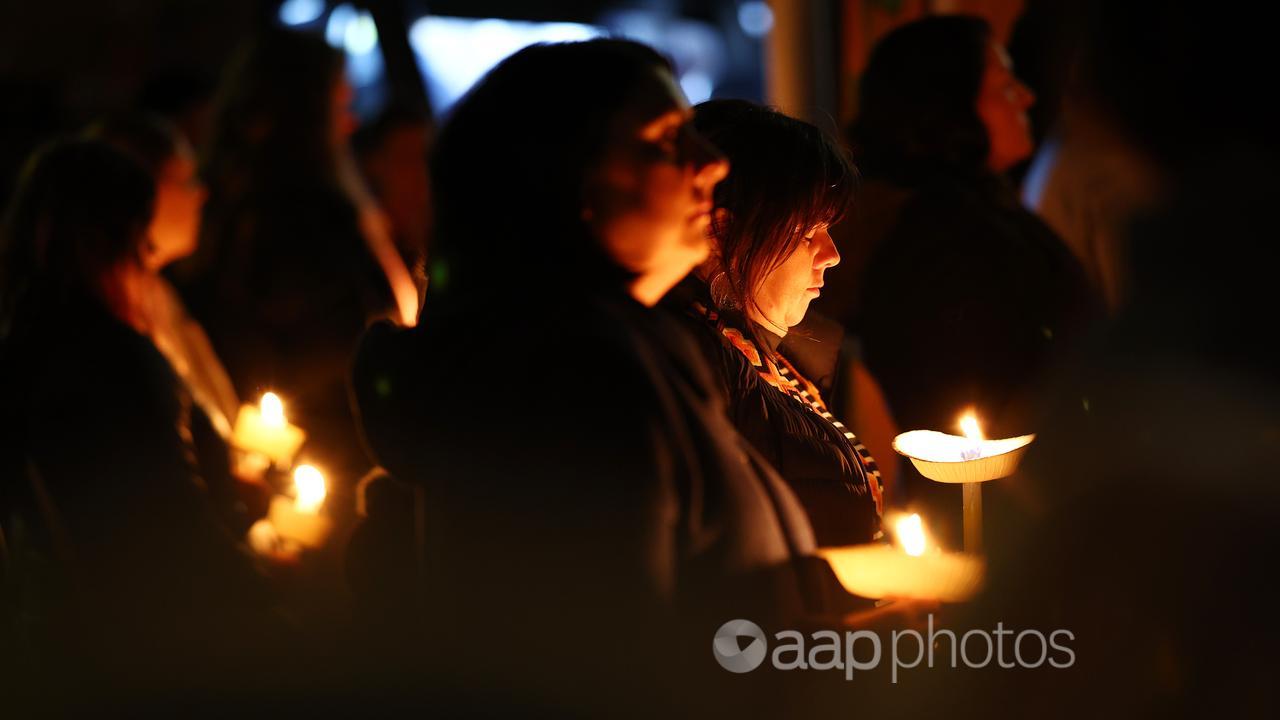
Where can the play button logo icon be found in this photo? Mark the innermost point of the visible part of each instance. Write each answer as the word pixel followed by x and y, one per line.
pixel 739 646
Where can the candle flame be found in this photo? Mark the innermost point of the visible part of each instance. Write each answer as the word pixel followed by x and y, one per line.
pixel 910 532
pixel 309 483
pixel 970 427
pixel 272 410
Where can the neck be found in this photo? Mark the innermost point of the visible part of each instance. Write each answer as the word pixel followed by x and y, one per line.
pixel 649 288
pixel 758 318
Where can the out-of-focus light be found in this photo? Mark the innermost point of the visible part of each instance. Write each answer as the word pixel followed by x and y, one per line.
pixel 697 86
pixel 310 486
pixel 755 17
pixel 361 34
pixel 272 409
pixel 910 531
pixel 456 52
pixel 335 31
pixel 301 12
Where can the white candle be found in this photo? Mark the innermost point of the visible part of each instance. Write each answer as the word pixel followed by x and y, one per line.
pixel 915 569
pixel 963 458
pixel 266 430
pixel 301 519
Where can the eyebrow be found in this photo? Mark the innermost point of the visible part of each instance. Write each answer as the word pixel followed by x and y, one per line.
pixel 654 129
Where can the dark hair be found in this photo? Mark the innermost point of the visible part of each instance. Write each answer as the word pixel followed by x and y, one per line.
pixel 785 178
pixel 510 165
pixel 150 141
pixel 273 113
pixel 917 115
pixel 81 206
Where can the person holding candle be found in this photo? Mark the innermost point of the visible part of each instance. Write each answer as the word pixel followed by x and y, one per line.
pixel 960 296
pixel 295 257
pixel 579 473
pixel 172 236
pixel 137 572
pixel 770 251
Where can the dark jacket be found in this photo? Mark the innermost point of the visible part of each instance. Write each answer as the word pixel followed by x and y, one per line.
pixel 581 480
pixel 820 464
pixel 121 567
pixel 968 301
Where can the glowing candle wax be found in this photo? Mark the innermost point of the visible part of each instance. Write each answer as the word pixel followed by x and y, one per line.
pixel 301 519
pixel 914 570
pixel 266 430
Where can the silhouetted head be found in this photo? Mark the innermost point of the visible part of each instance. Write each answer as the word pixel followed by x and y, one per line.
pixel 168 157
pixel 571 165
pixel 939 97
pixel 281 111
pixel 77 225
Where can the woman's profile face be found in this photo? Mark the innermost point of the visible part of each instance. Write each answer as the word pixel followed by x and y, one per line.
pixel 180 196
pixel 784 295
pixel 1002 105
pixel 648 200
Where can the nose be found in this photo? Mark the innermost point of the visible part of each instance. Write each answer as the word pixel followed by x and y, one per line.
pixel 1026 97
pixel 828 256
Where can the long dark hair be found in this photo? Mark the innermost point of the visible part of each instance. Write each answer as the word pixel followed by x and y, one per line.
pixel 273 113
pixel 785 177
pixel 917 115
pixel 81 207
pixel 510 165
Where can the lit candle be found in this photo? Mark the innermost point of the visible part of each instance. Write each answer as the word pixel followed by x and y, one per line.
pixel 300 519
pixel 965 458
pixel 973 432
pixel 969 459
pixel 914 569
pixel 265 430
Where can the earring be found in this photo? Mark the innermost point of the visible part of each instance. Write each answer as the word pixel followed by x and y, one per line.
pixel 722 291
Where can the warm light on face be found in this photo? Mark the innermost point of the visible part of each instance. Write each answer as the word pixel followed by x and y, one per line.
pixel 272 410
pixel 910 532
pixel 309 483
pixel 970 427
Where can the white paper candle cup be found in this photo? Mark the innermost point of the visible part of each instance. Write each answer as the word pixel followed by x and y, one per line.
pixel 880 571
pixel 309 529
pixel 939 456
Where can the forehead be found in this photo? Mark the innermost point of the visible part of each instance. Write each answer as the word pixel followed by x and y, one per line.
pixel 656 105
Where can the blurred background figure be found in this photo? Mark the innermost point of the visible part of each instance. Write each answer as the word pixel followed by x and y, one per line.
pixel 1148 507
pixel 295 256
pixel 962 298
pixel 392 152
pixel 769 251
pixel 122 568
pixel 172 236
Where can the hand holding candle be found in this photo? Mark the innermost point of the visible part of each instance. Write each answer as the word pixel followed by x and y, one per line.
pixel 970 460
pixel 266 431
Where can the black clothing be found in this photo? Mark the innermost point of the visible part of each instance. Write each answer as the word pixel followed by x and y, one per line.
pixel 284 284
pixel 969 301
pixel 581 479
pixel 123 573
pixel 822 466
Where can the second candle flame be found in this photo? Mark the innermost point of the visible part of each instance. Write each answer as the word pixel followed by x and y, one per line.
pixel 910 532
